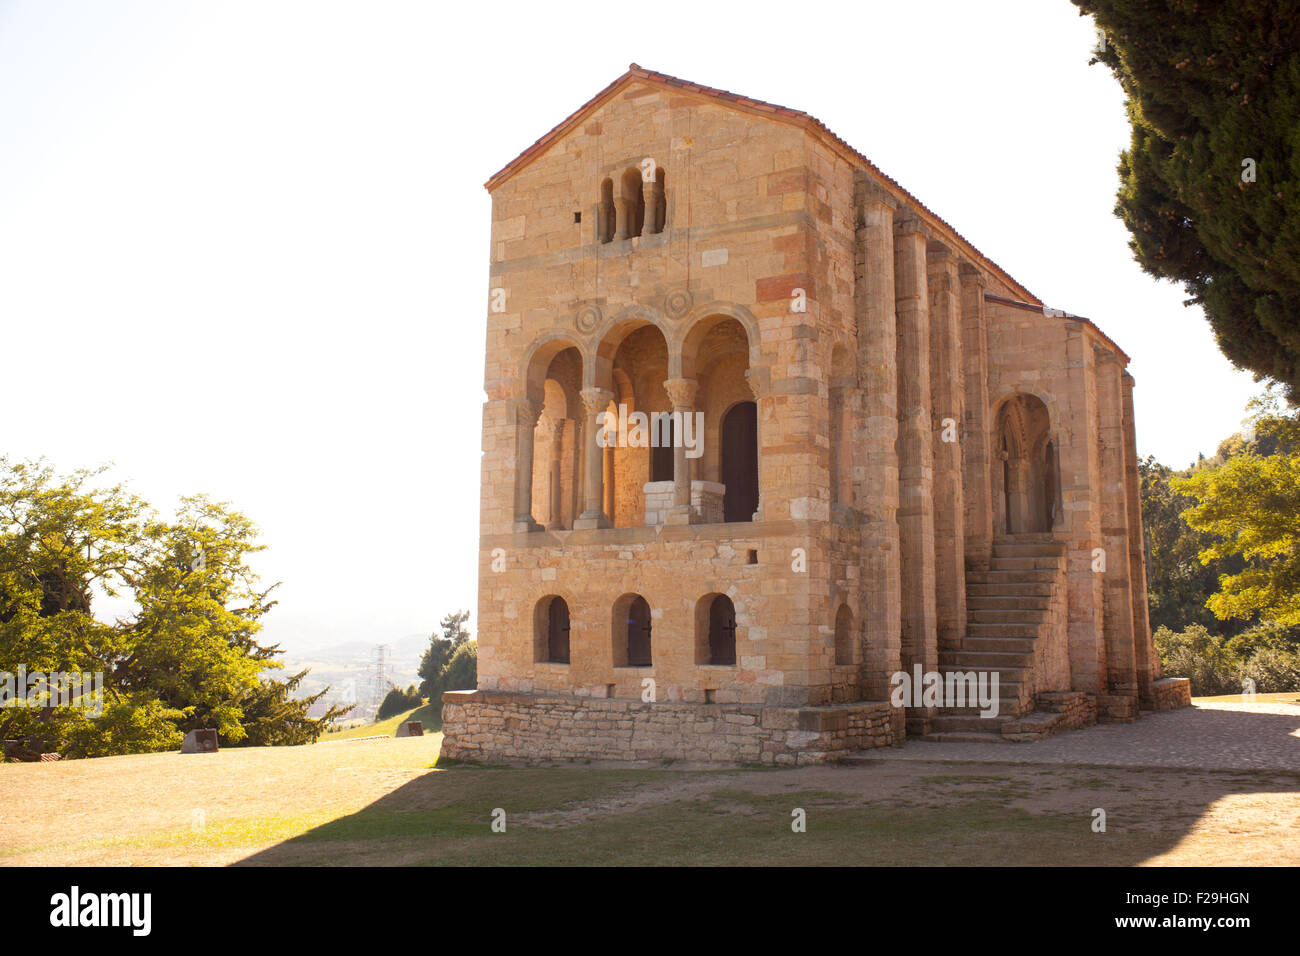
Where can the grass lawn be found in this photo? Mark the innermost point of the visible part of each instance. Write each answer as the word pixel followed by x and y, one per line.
pixel 349 801
pixel 428 714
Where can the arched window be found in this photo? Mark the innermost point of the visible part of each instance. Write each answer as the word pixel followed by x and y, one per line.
pixel 844 635
pixel 551 630
pixel 715 630
pixel 660 200
pixel 740 462
pixel 631 627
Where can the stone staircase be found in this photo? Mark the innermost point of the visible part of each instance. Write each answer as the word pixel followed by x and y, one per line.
pixel 1008 609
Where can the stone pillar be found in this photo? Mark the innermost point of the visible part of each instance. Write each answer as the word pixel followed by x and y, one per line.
pixel 681 392
pixel 948 398
pixel 915 458
pixel 975 448
pixel 1117 598
pixel 651 191
pixel 527 412
pixel 874 437
pixel 556 475
pixel 1080 479
pixel 754 379
pixel 1146 663
pixel 596 401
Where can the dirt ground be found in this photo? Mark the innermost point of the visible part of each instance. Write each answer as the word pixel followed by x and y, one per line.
pixel 383 802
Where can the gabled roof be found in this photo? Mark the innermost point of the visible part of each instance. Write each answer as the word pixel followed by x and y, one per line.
pixel 638 74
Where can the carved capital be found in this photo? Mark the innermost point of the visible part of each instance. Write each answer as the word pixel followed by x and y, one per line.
pixel 755 382
pixel 681 392
pixel 527 412
pixel 596 400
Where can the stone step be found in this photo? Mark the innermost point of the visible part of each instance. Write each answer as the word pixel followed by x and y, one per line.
pixel 1028 550
pixel 1033 537
pixel 1004 615
pixel 994 602
pixel 1017 645
pixel 1001 629
pixel 1025 563
pixel 1013 576
pixel 966 660
pixel 1008 588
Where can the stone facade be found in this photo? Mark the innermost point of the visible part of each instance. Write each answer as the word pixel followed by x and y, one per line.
pixel 866 449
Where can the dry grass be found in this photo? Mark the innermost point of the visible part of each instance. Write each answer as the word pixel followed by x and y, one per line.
pixel 379 802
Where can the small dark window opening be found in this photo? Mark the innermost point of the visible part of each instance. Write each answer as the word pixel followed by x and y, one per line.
pixel 722 631
pixel 710 695
pixel 577 217
pixel 557 631
pixel 751 556
pixel 638 633
pixel 661 458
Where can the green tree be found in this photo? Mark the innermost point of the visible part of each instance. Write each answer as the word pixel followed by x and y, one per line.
pixel 1250 508
pixel 181 650
pixel 461 672
pixel 1210 183
pixel 1178 581
pixel 438 656
pixel 398 701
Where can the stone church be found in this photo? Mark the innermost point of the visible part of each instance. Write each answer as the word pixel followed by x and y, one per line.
pixel 871 455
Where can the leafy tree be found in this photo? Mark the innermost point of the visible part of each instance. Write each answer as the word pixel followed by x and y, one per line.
pixel 183 656
pixel 1250 507
pixel 440 651
pixel 461 672
pixel 398 701
pixel 1178 582
pixel 1210 183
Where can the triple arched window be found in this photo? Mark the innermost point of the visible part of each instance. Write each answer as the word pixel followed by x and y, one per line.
pixel 636 204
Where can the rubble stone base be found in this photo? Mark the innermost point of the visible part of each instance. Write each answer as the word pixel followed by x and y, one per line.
pixel 487 726
pixel 1172 693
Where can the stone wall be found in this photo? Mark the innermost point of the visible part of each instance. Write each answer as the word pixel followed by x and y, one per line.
pixel 493 725
pixel 1172 693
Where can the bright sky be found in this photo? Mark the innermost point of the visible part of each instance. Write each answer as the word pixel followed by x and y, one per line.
pixel 244 246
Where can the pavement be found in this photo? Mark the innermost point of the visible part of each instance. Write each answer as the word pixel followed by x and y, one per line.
pixel 1206 736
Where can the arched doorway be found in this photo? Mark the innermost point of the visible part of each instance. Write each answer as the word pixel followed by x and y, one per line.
pixel 1026 482
pixel 740 462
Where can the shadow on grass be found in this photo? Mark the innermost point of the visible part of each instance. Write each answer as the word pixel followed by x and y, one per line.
pixel 892 812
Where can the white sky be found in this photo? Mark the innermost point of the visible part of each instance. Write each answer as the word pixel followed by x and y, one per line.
pixel 244 246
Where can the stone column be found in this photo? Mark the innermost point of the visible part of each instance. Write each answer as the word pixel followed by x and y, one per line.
pixel 947 393
pixel 976 454
pixel 557 454
pixel 596 401
pixel 915 458
pixel 1117 599
pixel 874 439
pixel 681 392
pixel 754 379
pixel 650 192
pixel 1080 480
pixel 527 411
pixel 1147 664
